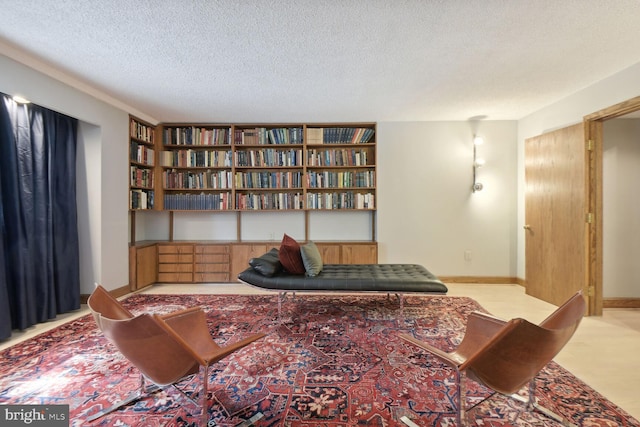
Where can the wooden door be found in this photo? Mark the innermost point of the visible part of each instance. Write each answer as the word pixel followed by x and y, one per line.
pixel 556 230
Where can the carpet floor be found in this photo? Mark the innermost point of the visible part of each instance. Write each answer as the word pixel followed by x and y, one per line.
pixel 330 361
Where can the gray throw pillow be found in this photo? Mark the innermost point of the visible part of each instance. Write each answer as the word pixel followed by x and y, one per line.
pixel 268 264
pixel 311 259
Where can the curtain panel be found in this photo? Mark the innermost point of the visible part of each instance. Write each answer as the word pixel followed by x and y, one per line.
pixel 39 253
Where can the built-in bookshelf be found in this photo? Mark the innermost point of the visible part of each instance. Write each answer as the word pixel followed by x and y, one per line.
pixel 340 167
pixel 253 167
pixel 233 171
pixel 141 164
pixel 269 168
pixel 197 167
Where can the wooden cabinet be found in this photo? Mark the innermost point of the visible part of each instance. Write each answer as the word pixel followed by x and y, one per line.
pixel 221 262
pixel 211 263
pixel 141 164
pixel 175 263
pixel 348 252
pixel 241 253
pixel 359 253
pixel 142 266
pixel 330 252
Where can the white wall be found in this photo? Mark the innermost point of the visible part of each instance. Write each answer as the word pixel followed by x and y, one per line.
pixel 102 195
pixel 427 213
pixel 607 92
pixel 621 208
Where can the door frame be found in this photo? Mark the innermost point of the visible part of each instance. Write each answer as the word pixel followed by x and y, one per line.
pixel 593 126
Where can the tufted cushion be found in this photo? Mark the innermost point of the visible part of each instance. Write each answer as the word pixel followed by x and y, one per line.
pixel 353 277
pixel 290 256
pixel 267 264
pixel 311 259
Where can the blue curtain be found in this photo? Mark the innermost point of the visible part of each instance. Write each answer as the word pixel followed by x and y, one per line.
pixel 39 260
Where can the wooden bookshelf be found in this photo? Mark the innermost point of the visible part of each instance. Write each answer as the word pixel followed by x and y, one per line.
pixel 246 168
pixel 196 167
pixel 266 167
pixel 340 167
pixel 296 167
pixel 142 163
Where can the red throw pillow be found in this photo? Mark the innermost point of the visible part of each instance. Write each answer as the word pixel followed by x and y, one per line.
pixel 290 256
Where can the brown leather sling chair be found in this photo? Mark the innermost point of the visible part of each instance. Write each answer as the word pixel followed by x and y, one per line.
pixel 505 356
pixel 165 349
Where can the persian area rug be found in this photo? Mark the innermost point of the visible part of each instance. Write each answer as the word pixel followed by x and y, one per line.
pixel 331 361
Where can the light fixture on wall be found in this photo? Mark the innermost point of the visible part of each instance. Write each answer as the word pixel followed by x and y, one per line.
pixel 20 99
pixel 477 162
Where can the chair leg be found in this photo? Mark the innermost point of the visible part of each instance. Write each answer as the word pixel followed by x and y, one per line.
pixel 141 393
pixel 532 404
pixel 461 416
pixel 205 392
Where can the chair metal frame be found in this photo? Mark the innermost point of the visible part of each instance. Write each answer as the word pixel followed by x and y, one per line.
pixel 505 356
pixel 166 349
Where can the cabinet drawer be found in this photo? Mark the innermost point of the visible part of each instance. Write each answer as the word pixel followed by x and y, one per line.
pixel 213 268
pixel 175 258
pixel 175 268
pixel 212 249
pixel 175 277
pixel 211 277
pixel 175 249
pixel 213 258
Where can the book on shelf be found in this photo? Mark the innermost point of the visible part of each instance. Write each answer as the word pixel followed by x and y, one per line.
pixel 269 201
pixel 141 199
pixel 195 136
pixel 264 179
pixel 266 136
pixel 141 153
pixel 141 177
pixel 202 201
pixel 201 180
pixel 196 158
pixel 343 179
pixel 141 131
pixel 339 135
pixel 340 200
pixel 269 157
pixel 337 157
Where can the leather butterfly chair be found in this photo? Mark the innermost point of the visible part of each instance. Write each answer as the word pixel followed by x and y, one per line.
pixel 505 356
pixel 165 349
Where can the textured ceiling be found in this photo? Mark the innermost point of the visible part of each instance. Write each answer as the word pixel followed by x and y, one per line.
pixel 329 60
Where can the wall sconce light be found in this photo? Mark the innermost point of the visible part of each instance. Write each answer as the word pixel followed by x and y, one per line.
pixel 477 162
pixel 21 100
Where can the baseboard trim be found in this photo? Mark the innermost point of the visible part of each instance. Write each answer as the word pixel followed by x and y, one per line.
pixel 621 303
pixel 124 290
pixel 498 280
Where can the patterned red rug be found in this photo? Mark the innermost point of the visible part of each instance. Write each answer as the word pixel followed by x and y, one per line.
pixel 333 361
